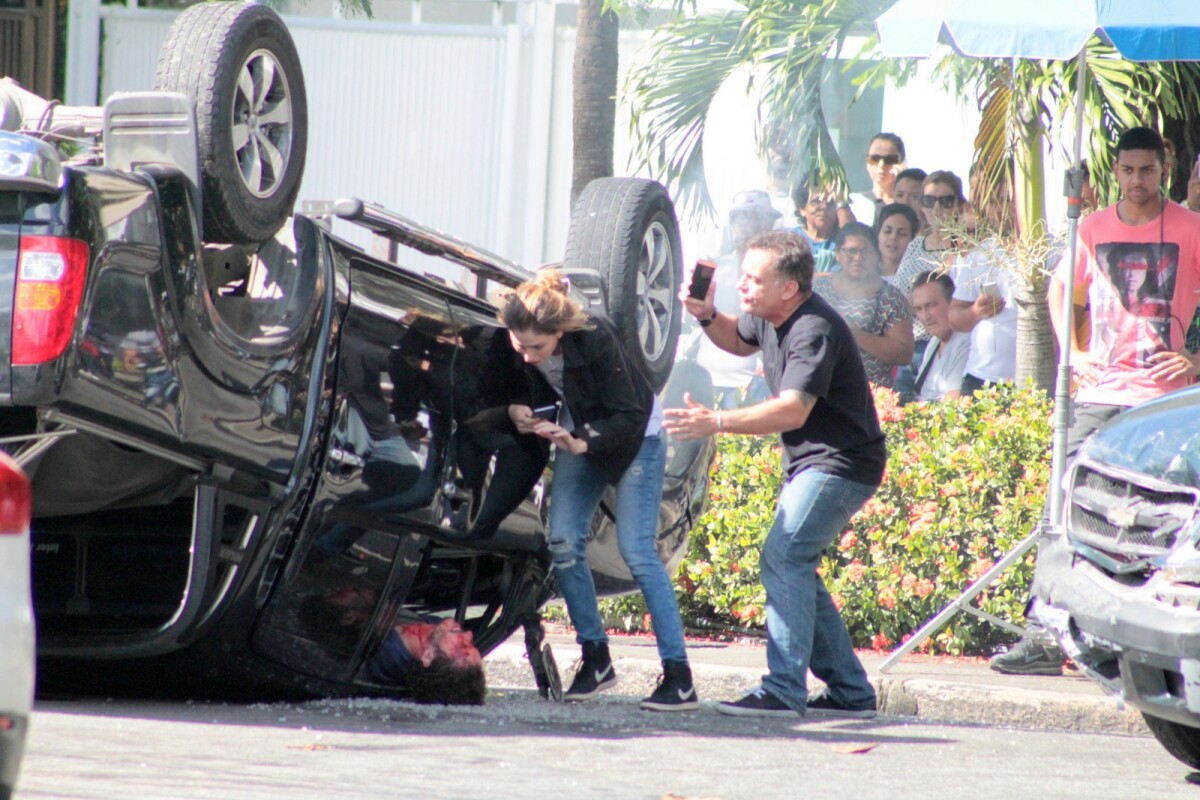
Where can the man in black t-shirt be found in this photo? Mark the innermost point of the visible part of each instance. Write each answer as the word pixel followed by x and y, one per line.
pixel 833 456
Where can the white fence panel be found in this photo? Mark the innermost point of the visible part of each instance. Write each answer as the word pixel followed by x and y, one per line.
pixel 419 118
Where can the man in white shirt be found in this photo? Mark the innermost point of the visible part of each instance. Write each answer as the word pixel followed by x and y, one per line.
pixel 941 372
pixel 732 375
pixel 984 306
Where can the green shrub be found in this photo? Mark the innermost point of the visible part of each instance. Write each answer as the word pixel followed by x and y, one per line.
pixel 965 483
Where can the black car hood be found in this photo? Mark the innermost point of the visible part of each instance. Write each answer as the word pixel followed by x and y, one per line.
pixel 1160 439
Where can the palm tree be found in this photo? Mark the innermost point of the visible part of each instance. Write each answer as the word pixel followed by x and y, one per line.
pixel 594 105
pixel 1024 103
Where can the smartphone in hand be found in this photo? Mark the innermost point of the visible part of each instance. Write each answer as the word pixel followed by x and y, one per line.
pixel 990 290
pixel 548 413
pixel 702 277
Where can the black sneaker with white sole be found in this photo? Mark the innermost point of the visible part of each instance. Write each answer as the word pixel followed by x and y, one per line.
pixel 759 703
pixel 675 691
pixel 595 673
pixel 824 705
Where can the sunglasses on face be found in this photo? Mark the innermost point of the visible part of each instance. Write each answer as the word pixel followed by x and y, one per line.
pixel 853 252
pixel 890 159
pixel 945 200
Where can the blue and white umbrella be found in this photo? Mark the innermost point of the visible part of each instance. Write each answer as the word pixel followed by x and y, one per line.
pixel 1140 30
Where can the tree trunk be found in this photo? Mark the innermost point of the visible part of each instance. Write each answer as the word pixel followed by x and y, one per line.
pixel 595 89
pixel 1036 346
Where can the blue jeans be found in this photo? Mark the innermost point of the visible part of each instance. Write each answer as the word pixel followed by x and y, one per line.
pixel 804 628
pixel 574 496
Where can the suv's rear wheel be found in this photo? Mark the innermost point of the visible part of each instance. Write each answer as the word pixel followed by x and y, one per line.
pixel 626 228
pixel 238 64
pixel 1181 741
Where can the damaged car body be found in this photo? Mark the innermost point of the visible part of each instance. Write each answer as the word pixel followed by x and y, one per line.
pixel 1120 589
pixel 231 415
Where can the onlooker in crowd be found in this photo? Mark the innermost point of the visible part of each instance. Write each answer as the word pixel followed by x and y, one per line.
pixel 732 375
pixel 985 308
pixel 833 456
pixel 876 311
pixel 885 154
pixel 1136 351
pixel 608 432
pixel 910 184
pixel 943 201
pixel 940 373
pixel 780 173
pixel 897 226
pixel 817 212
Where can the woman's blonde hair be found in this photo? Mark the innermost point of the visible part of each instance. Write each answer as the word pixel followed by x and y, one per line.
pixel 543 305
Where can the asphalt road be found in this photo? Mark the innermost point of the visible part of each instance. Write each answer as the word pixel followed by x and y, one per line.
pixel 519 746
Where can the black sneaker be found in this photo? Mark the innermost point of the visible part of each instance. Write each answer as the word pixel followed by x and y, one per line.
pixel 759 703
pixel 594 675
pixel 823 705
pixel 1029 657
pixel 675 691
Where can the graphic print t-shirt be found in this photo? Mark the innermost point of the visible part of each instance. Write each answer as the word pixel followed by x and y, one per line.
pixel 1142 283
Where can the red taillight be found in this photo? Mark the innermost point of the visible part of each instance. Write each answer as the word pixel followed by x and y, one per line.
pixel 50 276
pixel 16 499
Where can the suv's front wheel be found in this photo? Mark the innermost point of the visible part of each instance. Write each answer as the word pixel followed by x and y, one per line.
pixel 1181 741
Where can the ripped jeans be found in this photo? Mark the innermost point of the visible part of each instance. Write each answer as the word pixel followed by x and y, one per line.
pixel 575 493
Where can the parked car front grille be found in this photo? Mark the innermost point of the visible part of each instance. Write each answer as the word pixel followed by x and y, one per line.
pixel 1125 518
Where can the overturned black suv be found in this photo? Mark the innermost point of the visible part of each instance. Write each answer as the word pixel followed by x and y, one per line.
pixel 228 412
pixel 1121 589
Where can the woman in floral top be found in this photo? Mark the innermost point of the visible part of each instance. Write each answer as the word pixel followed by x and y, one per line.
pixel 876 311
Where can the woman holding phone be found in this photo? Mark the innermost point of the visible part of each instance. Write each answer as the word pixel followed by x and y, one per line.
pixel 608 432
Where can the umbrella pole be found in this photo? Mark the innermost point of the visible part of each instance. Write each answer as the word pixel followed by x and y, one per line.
pixel 1062 394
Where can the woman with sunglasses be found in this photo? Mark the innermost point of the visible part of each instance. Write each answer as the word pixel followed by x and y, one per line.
pixel 876 311
pixel 885 160
pixel 608 433
pixel 943 202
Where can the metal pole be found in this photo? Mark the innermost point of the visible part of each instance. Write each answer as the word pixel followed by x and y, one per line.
pixel 960 604
pixel 1062 395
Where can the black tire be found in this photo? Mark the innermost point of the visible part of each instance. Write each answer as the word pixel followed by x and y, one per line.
pixel 250 173
pixel 1181 741
pixel 626 229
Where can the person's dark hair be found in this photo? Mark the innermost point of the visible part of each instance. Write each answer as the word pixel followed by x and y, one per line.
pixel 912 174
pixel 445 683
pixel 904 210
pixel 859 229
pixel 946 178
pixel 889 137
pixel 937 277
pixel 1085 169
pixel 793 256
pixel 1142 138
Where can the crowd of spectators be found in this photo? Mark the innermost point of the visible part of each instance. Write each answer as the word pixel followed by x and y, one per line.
pixel 869 249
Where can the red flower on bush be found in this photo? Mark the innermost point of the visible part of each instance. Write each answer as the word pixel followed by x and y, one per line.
pixel 924 588
pixel 855 571
pixel 849 539
pixel 880 642
pixel 887 598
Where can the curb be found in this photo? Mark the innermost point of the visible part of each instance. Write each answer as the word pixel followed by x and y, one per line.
pixel 924 699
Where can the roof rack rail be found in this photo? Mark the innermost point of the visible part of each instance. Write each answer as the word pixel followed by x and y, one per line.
pixel 422 238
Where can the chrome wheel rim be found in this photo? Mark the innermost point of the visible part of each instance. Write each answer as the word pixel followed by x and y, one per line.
pixel 655 291
pixel 262 124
